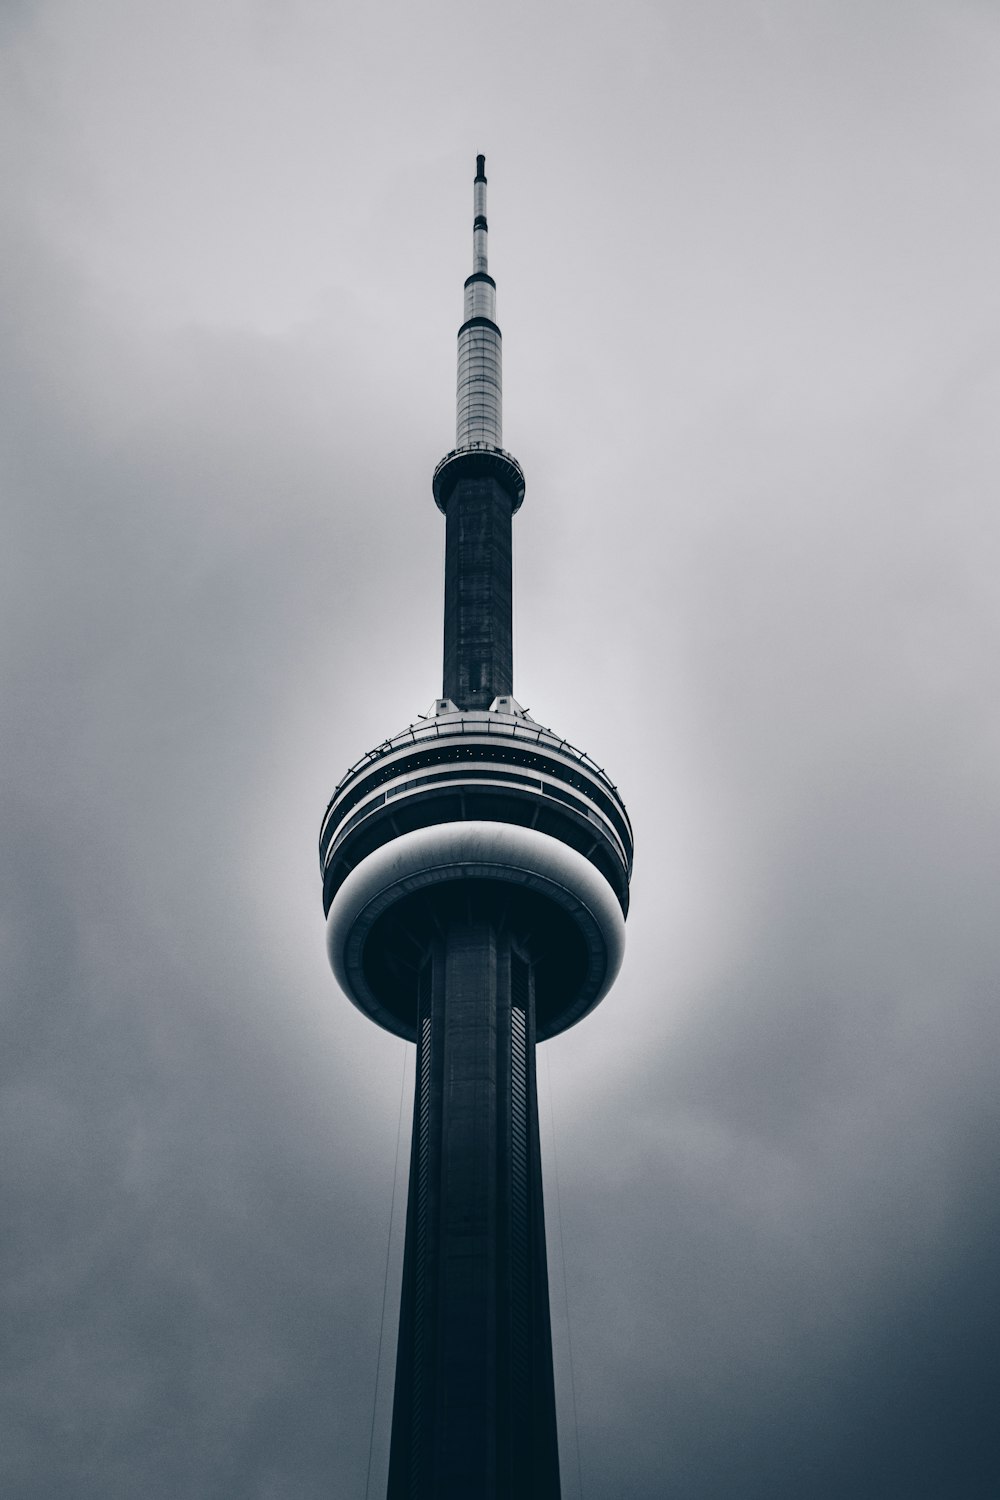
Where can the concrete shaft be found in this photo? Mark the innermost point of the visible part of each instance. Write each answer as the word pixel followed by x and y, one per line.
pixel 478 615
pixel 474 1409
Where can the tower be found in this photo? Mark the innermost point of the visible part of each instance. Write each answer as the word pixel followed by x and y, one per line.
pixel 475 878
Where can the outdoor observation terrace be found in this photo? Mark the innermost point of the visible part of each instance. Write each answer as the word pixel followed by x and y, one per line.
pixel 478 460
pixel 476 766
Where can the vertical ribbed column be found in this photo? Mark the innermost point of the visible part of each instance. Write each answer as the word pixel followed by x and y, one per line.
pixel 539 1472
pixel 474 1411
pixel 411 1454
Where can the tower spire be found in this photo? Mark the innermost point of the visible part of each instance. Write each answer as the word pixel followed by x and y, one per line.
pixel 480 354
pixel 480 228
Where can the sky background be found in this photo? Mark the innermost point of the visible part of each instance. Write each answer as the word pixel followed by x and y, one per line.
pixel 747 257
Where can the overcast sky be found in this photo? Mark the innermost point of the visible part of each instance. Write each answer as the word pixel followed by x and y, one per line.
pixel 747 257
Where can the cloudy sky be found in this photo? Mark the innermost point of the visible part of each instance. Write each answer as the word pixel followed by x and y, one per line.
pixel 747 257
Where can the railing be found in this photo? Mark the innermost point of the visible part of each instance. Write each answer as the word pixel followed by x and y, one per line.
pixel 493 457
pixel 450 726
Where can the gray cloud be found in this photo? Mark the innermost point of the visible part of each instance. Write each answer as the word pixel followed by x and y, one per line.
pixel 746 270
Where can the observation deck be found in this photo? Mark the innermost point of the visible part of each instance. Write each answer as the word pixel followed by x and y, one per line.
pixel 490 796
pixel 478 461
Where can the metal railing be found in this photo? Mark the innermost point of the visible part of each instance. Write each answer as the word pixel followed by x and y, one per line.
pixel 452 726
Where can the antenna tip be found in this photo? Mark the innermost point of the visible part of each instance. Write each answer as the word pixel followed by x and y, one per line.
pixel 480 168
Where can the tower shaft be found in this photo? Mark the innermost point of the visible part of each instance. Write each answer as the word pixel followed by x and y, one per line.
pixel 478 612
pixel 474 1410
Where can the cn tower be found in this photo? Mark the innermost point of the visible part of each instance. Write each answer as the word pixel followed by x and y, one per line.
pixel 475 879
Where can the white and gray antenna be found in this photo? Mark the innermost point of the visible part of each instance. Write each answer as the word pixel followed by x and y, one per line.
pixel 480 372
